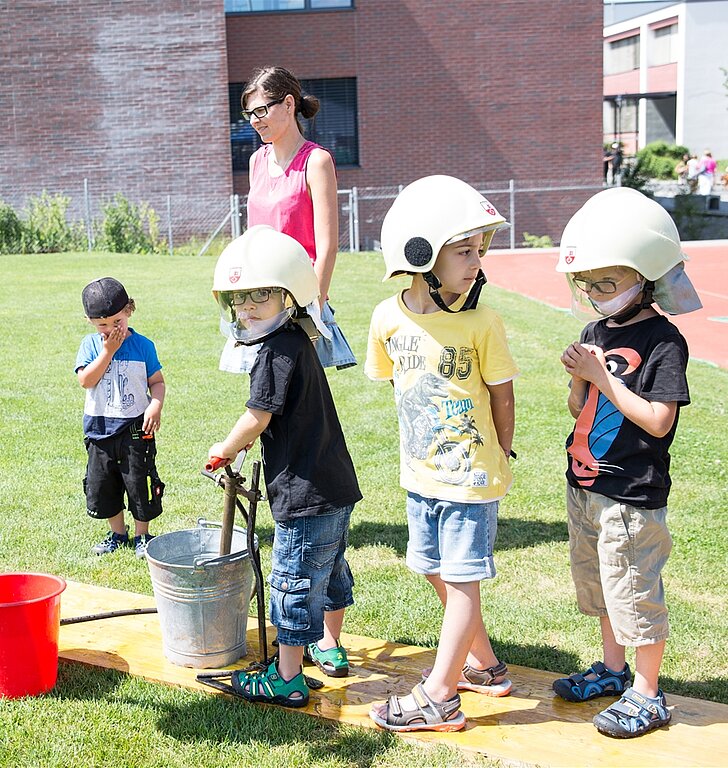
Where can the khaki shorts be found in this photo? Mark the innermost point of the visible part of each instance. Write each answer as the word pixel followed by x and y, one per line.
pixel 617 555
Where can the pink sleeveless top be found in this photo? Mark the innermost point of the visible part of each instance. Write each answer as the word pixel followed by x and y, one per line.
pixel 283 202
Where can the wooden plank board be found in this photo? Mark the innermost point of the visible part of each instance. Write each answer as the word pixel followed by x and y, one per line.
pixel 529 727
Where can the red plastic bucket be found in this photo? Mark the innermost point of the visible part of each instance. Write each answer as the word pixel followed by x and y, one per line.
pixel 30 616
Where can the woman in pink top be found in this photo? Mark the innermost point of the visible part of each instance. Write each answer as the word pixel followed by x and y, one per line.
pixel 293 189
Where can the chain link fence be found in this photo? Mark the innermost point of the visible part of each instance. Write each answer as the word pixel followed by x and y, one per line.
pixel 534 207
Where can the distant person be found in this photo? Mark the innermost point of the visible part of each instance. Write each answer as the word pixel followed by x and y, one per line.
pixel 627 385
pixel 293 190
pixel 724 178
pixel 122 376
pixel 693 171
pixel 615 164
pixel 706 173
pixel 681 169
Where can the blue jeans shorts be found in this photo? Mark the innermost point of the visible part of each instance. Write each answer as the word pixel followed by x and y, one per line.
pixel 453 540
pixel 309 575
pixel 334 352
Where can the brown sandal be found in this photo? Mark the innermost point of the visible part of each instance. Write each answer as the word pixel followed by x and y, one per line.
pixel 482 680
pixel 428 715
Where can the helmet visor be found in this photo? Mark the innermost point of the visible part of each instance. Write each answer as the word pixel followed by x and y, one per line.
pixel 254 315
pixel 597 299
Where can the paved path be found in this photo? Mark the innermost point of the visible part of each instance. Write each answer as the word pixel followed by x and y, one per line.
pixel 532 273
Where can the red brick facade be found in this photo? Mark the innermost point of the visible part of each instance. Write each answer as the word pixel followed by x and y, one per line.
pixel 131 95
pixel 487 91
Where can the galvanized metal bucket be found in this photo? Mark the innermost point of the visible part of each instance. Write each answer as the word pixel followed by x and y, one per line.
pixel 202 598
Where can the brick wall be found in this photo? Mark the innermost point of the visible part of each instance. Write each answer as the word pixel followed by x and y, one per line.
pixel 486 91
pixel 131 95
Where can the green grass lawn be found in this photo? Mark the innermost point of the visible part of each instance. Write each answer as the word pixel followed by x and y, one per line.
pixel 97 718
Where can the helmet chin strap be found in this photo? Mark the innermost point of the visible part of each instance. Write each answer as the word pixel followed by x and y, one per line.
pixel 471 302
pixel 622 317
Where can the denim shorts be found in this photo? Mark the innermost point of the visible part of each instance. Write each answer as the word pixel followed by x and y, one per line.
pixel 617 555
pixel 309 575
pixel 453 540
pixel 334 352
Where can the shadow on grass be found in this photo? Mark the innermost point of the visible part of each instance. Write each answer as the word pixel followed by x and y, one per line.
pixel 517 533
pixel 392 535
pixel 513 533
pixel 192 717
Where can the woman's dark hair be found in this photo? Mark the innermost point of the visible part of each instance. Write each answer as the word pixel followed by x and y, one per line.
pixel 278 82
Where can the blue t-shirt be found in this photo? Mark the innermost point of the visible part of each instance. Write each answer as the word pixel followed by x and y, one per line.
pixel 122 393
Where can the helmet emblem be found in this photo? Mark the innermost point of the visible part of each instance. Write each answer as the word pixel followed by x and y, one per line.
pixel 488 206
pixel 234 274
pixel 570 255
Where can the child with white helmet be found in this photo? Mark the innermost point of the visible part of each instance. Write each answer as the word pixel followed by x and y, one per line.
pixel 621 252
pixel 452 372
pixel 268 293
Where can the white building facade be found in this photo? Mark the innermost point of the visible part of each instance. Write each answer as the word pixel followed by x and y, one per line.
pixel 666 74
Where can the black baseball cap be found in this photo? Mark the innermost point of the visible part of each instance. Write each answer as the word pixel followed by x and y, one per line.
pixel 104 298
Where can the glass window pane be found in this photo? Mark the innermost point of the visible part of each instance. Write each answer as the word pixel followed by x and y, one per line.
pixel 247 6
pixel 622 55
pixel 315 4
pixel 335 127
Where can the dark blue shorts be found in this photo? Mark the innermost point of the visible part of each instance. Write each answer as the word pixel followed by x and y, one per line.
pixel 309 575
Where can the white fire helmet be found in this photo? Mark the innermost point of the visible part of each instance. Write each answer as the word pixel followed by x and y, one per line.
pixel 263 258
pixel 429 213
pixel 621 227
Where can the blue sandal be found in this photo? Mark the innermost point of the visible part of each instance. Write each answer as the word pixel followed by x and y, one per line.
pixel 606 683
pixel 633 715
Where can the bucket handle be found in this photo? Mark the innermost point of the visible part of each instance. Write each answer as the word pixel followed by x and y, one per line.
pixel 200 562
pixel 202 523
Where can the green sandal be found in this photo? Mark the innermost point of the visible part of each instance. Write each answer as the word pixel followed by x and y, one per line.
pixel 269 687
pixel 333 662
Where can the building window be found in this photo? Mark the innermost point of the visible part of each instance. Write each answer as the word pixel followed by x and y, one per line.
pixel 663 46
pixel 255 6
pixel 334 127
pixel 621 55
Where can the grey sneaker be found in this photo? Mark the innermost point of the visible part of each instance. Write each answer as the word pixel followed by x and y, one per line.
pixel 140 544
pixel 633 715
pixel 111 543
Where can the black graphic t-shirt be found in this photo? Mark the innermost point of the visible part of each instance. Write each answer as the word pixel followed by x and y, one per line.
pixel 609 454
pixel 307 467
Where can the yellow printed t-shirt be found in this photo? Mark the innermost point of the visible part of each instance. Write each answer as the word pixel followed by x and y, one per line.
pixel 440 364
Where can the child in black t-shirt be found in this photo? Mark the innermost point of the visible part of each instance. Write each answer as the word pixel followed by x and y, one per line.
pixel 268 292
pixel 622 254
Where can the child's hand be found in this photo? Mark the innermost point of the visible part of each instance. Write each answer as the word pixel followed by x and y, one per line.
pixel 584 361
pixel 114 339
pixel 218 451
pixel 152 417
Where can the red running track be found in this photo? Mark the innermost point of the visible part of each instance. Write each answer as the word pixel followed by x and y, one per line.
pixel 532 273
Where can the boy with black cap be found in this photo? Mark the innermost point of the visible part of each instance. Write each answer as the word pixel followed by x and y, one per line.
pixel 122 376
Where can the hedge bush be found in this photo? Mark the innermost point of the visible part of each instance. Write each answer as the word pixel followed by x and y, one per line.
pixel 657 160
pixel 11 229
pixel 129 228
pixel 45 229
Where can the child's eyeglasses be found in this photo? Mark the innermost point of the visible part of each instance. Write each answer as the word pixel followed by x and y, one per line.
pixel 261 111
pixel 257 295
pixel 600 286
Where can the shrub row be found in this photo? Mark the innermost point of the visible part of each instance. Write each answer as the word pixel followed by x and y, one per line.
pixel 44 228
